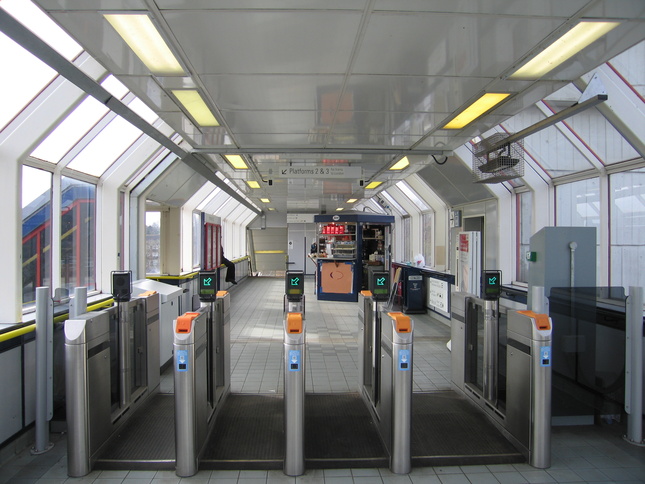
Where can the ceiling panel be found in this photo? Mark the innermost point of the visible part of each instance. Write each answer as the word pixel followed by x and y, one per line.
pixel 297 81
pixel 260 41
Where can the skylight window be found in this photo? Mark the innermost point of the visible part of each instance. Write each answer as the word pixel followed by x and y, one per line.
pixel 106 147
pixel 30 76
pixel 70 130
pixel 412 195
pixel 393 202
pixel 41 25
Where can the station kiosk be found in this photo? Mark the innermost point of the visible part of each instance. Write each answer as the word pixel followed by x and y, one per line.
pixel 385 344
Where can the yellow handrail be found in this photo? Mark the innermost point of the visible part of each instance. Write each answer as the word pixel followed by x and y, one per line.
pixel 58 319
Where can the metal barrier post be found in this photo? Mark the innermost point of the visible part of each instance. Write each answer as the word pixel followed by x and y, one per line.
pixel 78 304
pixel 44 369
pixel 633 366
pixel 184 375
pixel 78 440
pixel 528 406
pixel 491 345
pixel 401 339
pixel 294 394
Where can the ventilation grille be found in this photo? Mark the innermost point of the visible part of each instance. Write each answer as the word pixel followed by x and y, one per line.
pixel 502 164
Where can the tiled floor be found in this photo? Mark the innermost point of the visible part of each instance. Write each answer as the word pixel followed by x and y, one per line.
pixel 580 454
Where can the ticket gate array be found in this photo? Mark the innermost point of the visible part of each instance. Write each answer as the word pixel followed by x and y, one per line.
pixel 202 377
pixel 385 341
pixel 112 367
pixel 501 360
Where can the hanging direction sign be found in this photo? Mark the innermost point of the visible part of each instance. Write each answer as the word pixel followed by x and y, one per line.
pixel 321 171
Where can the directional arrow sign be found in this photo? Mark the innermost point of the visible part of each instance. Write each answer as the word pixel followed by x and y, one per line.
pixel 492 280
pixel 380 281
pixel 295 281
pixel 207 281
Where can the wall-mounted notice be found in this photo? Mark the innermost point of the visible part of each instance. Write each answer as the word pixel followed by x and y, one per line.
pixel 439 296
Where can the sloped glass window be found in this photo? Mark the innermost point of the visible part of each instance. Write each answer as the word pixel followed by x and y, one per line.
pixel 78 234
pixel 550 149
pixel 627 230
pixel 28 77
pixel 36 232
pixel 106 147
pixel 390 199
pixel 601 137
pixel 428 238
pixel 70 130
pixel 631 71
pixel 44 27
pixel 412 195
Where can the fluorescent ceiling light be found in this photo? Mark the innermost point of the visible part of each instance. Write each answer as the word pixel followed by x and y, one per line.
pixel 196 107
pixel 138 31
pixel 563 48
pixel 236 162
pixel 402 163
pixel 339 209
pixel 476 109
pixel 373 185
pixel 271 208
pixel 352 200
pixel 253 184
pixel 265 200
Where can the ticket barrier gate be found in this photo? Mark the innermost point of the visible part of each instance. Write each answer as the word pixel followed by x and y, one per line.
pixel 294 394
pixel 202 377
pixel 111 368
pixel 385 376
pixel 519 351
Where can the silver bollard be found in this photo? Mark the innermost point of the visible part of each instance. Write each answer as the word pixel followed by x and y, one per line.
pixel 184 375
pixel 78 304
pixel 294 394
pixel 44 369
pixel 399 333
pixel 491 356
pixel 633 366
pixel 528 398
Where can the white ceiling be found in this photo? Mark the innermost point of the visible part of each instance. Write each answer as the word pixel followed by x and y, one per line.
pixel 302 82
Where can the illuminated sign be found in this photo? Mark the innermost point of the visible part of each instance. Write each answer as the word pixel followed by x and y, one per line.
pixel 295 284
pixel 380 285
pixel 491 284
pixel 207 286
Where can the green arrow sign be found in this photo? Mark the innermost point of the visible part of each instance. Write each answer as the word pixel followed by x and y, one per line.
pixel 207 281
pixel 492 280
pixel 380 281
pixel 294 282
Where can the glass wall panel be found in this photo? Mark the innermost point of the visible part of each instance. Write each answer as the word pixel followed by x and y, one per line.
pixel 601 137
pixel 106 147
pixel 524 229
pixel 627 228
pixel 428 238
pixel 78 234
pixel 578 205
pixel 630 65
pixel 549 147
pixel 36 232
pixel 29 76
pixel 70 130
pixel 197 239
pixel 153 242
pixel 407 236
